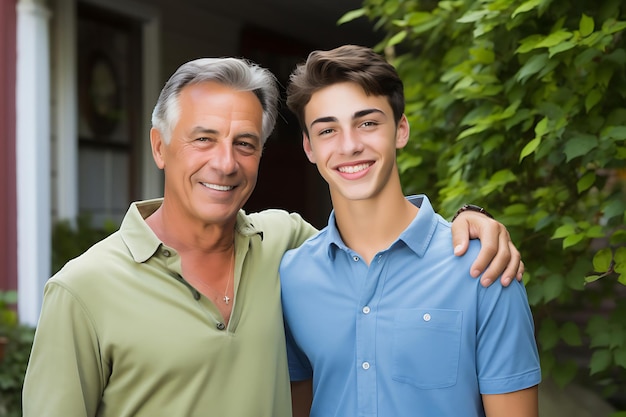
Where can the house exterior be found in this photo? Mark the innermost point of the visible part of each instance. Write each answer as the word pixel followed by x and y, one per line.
pixel 78 82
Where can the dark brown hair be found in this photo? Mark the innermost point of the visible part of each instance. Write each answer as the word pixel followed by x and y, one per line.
pixel 351 63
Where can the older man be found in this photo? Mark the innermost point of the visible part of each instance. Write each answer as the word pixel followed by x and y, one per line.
pixel 178 313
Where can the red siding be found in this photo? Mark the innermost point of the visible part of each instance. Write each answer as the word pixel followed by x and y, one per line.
pixel 8 215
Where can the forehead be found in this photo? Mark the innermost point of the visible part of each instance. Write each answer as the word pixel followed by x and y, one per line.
pixel 208 100
pixel 343 100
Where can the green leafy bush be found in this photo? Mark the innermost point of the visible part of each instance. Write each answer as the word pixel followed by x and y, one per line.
pixel 520 106
pixel 15 344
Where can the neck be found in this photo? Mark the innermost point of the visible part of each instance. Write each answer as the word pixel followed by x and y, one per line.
pixel 371 225
pixel 187 235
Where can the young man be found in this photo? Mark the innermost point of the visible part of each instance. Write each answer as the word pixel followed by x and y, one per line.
pixel 178 313
pixel 371 328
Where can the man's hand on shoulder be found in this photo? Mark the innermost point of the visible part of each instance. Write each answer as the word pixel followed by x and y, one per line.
pixel 498 255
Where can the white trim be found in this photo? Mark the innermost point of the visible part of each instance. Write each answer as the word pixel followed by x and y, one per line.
pixel 151 176
pixel 32 156
pixel 66 97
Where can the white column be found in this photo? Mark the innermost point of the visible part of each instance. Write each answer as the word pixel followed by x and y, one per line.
pixel 33 156
pixel 152 177
pixel 66 110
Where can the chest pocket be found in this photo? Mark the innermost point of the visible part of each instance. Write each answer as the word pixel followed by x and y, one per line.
pixel 426 347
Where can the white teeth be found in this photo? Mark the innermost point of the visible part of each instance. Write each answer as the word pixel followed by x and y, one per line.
pixel 218 187
pixel 354 168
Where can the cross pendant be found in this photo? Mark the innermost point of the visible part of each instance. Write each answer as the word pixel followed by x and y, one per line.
pixel 226 299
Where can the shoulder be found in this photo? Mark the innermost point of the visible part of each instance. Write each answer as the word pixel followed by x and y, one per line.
pixel 276 224
pixel 87 268
pixel 314 247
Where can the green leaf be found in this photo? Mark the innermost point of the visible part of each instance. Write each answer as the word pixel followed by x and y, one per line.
pixel 602 260
pixel 600 361
pixel 572 240
pixel 526 7
pixel 532 66
pixel 529 148
pixel 561 47
pixel 620 255
pixel 350 16
pixel 408 160
pixel 564 231
pixel 417 18
pixel 586 25
pixel 397 38
pixel 552 287
pixel 554 39
pixel 614 132
pixel 542 127
pixel 593 98
pixel 570 333
pixel 482 55
pixel 614 208
pixel 619 356
pixel 473 16
pixel 528 44
pixel 592 278
pixel 618 237
pixel 586 181
pixel 580 145
pixel 596 231
pixel 613 26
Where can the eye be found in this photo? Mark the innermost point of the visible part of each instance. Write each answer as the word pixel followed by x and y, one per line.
pixel 246 146
pixel 203 139
pixel 369 123
pixel 326 132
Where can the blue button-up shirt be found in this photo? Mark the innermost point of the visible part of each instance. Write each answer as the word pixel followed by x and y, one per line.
pixel 412 334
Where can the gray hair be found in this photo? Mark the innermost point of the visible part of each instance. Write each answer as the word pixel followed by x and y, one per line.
pixel 240 74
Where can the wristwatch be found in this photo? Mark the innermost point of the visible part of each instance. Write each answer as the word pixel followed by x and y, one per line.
pixel 471 207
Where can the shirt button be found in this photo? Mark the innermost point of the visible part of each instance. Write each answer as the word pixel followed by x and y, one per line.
pixel 426 317
pixel 166 253
pixel 366 310
pixel 365 365
pixel 355 258
pixel 220 326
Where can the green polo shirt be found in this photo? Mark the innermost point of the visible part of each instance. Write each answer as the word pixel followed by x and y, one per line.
pixel 121 332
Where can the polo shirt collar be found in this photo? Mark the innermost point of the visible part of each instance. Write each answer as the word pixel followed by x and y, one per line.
pixel 136 234
pixel 143 243
pixel 416 236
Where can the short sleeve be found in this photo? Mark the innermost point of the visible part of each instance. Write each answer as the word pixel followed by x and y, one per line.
pixel 507 357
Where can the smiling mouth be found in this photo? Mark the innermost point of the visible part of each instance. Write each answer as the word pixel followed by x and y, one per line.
pixel 218 187
pixel 351 169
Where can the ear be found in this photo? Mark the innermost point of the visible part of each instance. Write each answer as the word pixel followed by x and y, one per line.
pixel 308 150
pixel 158 147
pixel 402 132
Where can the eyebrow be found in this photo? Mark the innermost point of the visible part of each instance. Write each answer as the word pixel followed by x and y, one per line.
pixel 199 130
pixel 356 115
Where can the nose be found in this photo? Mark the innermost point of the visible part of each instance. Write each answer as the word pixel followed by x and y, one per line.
pixel 350 143
pixel 223 158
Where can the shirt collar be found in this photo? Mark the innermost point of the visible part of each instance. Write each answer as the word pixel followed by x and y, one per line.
pixel 416 236
pixel 141 240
